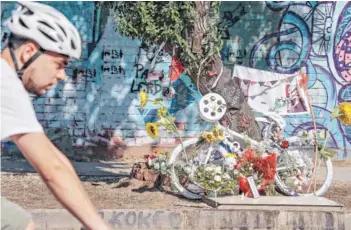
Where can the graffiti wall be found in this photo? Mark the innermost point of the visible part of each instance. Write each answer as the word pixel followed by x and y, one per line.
pixel 99 102
pixel 285 37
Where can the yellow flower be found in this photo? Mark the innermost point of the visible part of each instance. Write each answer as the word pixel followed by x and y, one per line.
pixel 143 99
pixel 230 155
pixel 152 130
pixel 208 136
pixel 158 151
pixel 345 113
pixel 162 111
pixel 218 133
pixel 168 155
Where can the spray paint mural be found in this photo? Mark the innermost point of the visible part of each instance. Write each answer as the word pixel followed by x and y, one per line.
pixel 314 37
pixel 99 103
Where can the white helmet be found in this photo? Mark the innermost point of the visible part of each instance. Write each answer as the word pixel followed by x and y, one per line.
pixel 46 26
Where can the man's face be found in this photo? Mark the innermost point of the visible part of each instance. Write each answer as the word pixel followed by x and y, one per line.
pixel 44 72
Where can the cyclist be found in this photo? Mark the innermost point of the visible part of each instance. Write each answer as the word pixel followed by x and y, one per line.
pixel 40 43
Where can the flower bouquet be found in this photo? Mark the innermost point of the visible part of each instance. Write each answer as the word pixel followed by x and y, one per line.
pixel 261 168
pixel 213 179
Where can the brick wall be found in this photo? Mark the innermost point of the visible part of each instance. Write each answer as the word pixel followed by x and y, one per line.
pixel 99 100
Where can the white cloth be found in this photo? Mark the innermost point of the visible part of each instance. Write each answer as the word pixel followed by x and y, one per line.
pixel 17 112
pixel 268 92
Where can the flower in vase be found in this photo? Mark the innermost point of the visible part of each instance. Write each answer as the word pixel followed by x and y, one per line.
pixel 217 178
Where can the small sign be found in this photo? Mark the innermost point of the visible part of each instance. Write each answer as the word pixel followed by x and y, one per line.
pixel 253 187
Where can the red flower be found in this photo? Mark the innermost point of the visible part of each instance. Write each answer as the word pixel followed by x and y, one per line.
pixel 244 186
pixel 284 144
pixel 152 156
pixel 267 166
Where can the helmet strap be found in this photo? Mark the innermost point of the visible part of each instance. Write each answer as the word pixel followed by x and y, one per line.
pixel 27 63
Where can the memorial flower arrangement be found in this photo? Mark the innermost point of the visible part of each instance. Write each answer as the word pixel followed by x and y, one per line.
pixel 261 168
pixel 213 178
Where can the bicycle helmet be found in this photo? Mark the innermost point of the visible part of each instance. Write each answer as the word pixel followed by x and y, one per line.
pixel 46 26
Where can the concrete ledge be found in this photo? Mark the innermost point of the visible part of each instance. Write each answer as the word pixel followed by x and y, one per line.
pixel 201 219
pixel 286 203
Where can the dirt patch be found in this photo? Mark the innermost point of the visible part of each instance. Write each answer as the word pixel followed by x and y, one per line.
pixel 342 163
pixel 107 193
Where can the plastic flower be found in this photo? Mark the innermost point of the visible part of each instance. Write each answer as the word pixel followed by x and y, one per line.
pixel 143 98
pixel 345 113
pixel 208 136
pixel 162 111
pixel 152 130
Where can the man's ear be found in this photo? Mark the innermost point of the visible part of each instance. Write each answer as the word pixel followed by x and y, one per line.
pixel 27 50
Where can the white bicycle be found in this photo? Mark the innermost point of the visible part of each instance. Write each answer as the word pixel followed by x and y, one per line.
pixel 295 165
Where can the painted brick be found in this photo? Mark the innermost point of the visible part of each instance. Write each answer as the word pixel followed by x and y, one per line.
pixel 56 101
pixel 113 91
pixel 79 132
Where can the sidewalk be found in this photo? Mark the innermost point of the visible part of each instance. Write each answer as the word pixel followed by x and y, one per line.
pixel 82 168
pixel 122 169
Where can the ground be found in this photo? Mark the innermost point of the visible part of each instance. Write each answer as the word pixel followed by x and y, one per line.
pixel 106 193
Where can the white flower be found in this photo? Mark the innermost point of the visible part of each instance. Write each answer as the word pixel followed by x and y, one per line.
pixel 231 161
pixel 187 169
pixel 156 166
pixel 209 169
pixel 218 169
pixel 226 176
pixel 217 178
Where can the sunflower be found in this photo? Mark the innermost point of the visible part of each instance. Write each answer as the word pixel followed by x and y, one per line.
pixel 345 113
pixel 143 99
pixel 162 111
pixel 152 130
pixel 218 133
pixel 208 136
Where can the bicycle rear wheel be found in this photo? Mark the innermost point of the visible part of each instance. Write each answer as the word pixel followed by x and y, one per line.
pixel 295 170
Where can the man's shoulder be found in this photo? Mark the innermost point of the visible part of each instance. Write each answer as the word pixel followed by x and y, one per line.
pixel 10 80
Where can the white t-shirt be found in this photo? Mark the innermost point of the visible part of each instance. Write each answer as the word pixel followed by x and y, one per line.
pixel 17 112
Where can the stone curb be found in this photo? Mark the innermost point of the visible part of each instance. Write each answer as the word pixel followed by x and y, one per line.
pixel 200 219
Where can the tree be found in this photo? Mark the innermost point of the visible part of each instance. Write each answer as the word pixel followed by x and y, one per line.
pixel 191 32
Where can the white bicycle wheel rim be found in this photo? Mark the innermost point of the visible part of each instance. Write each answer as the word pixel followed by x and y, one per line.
pixel 174 179
pixel 283 188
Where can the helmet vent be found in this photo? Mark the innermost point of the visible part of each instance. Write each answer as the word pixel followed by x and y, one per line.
pixel 62 29
pixel 46 24
pixel 47 35
pixel 73 45
pixel 22 23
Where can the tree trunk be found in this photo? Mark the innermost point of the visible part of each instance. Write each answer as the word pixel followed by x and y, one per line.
pixel 238 117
